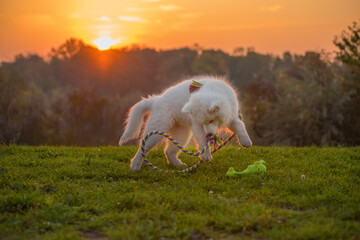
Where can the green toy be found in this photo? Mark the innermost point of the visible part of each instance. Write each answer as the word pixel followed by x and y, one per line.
pixel 257 168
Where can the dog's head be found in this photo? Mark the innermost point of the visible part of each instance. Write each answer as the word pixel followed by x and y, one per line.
pixel 209 110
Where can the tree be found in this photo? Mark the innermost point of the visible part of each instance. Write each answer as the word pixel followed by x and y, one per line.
pixel 20 105
pixel 211 62
pixel 239 51
pixel 309 109
pixel 244 70
pixel 67 50
pixel 176 64
pixel 33 69
pixel 348 53
pixel 348 44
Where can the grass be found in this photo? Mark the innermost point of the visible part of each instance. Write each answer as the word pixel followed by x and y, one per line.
pixel 90 193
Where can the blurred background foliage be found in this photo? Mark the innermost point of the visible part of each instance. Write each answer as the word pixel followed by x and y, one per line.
pixel 80 95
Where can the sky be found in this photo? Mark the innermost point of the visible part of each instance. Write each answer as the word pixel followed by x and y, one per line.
pixel 270 26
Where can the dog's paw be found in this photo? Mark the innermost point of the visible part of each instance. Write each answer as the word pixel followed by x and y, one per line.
pixel 182 165
pixel 135 168
pixel 245 142
pixel 135 165
pixel 206 156
pixel 122 140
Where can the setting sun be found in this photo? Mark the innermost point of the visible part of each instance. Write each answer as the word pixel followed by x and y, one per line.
pixel 104 43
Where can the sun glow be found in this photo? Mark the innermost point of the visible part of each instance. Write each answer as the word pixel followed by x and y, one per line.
pixel 104 43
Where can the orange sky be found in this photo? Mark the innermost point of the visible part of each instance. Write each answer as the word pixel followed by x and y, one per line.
pixel 271 26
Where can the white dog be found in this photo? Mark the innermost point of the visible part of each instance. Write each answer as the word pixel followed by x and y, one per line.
pixel 182 109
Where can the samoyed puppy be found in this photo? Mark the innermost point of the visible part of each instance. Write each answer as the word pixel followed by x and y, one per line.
pixel 185 110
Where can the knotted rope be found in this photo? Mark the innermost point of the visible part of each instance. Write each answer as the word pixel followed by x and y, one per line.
pixel 211 140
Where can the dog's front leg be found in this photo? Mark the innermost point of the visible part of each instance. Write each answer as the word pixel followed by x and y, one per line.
pixel 200 137
pixel 238 127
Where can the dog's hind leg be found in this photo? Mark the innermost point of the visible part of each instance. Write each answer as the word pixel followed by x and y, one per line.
pixel 153 124
pixel 181 135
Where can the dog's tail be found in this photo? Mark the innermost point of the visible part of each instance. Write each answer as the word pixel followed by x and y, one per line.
pixel 135 120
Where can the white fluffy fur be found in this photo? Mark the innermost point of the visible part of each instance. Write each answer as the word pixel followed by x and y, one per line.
pixel 180 113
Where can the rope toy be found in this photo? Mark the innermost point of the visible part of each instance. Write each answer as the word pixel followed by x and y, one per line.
pixel 211 140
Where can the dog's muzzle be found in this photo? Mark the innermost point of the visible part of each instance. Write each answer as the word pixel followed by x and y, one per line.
pixel 209 135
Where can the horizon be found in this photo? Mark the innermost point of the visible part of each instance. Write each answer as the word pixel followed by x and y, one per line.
pixel 47 56
pixel 270 27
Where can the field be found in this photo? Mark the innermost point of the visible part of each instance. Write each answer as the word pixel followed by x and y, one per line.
pixel 90 193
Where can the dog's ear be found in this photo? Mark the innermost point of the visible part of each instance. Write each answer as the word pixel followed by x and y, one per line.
pixel 214 107
pixel 186 108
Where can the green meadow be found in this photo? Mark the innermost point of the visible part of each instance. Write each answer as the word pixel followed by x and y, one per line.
pixel 90 193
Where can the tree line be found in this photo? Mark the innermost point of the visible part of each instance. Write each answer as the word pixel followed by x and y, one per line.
pixel 80 95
